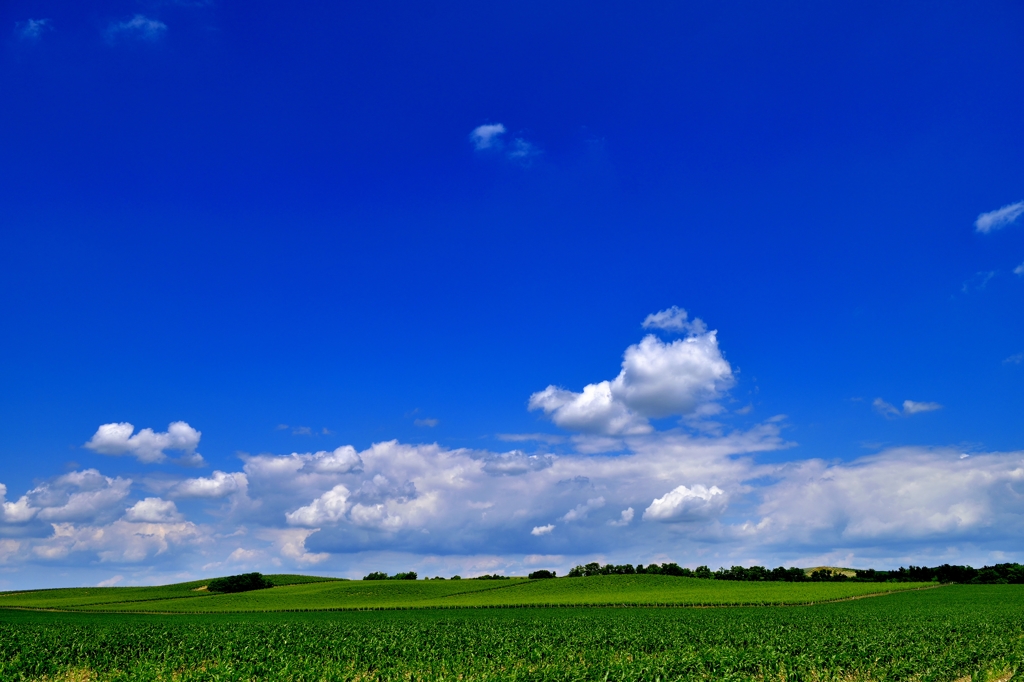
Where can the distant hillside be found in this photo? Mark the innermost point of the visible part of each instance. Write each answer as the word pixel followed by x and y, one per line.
pixel 848 572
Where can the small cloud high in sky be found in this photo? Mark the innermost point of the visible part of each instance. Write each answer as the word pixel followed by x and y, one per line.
pixel 999 218
pixel 343 290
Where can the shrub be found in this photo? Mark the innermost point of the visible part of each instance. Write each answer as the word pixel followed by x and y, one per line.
pixel 239 583
pixel 542 574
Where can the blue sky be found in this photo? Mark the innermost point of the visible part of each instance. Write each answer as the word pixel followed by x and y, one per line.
pixel 505 269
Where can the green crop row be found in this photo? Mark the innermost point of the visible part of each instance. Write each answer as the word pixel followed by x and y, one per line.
pixel 926 636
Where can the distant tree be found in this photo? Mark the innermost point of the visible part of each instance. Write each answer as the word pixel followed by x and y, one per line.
pixel 542 574
pixel 239 583
pixel 377 575
pixel 494 576
pixel 703 572
pixel 456 577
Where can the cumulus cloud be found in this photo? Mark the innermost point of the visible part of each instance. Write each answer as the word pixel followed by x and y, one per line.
pixel 581 510
pixel 910 407
pixel 32 29
pixel 683 503
pixel 625 518
pixel 657 379
pixel 152 510
pixel 542 530
pixel 218 485
pixel 15 512
pixel 328 508
pixel 674 319
pixel 487 136
pixel 139 27
pixel 119 542
pixel 147 445
pixel 79 496
pixel 900 495
pixel 999 218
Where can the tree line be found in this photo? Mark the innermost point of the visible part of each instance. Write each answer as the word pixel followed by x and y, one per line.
pixel 999 574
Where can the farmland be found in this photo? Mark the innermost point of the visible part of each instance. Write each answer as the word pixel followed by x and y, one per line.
pixel 938 635
pixel 292 595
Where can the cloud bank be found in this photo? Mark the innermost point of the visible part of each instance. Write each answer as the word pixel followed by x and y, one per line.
pixel 707 496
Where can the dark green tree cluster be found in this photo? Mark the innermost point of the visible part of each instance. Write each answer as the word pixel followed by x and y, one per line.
pixel 761 574
pixel 629 569
pixel 239 583
pixel 543 574
pixel 379 575
pixel 495 576
pixel 999 574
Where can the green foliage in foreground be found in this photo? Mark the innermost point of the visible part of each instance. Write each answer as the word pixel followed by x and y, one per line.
pixel 608 590
pixel 936 635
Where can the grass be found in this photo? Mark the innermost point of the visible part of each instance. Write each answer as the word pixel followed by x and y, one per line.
pixel 644 590
pixel 954 633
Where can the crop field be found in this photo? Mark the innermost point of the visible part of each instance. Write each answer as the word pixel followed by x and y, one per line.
pixel 612 590
pixel 941 635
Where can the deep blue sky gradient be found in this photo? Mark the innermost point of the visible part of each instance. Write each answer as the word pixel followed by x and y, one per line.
pixel 272 214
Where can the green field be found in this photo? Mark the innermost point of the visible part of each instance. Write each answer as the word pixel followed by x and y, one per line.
pixel 611 590
pixel 941 635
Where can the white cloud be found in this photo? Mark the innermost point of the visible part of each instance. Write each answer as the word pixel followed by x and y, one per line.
pixel 914 407
pixel 147 445
pixel 625 518
pixel 139 27
pixel 218 485
pixel 118 542
pixel 522 151
pixel 657 379
pixel 1019 270
pixel 152 510
pixel 685 503
pixel 549 438
pixel 1014 359
pixel 999 218
pixel 93 496
pixel 487 136
pixel 111 581
pixel 674 319
pixel 328 508
pixel 593 410
pixel 899 496
pixel 542 530
pixel 32 29
pixel 15 512
pixel 580 511
pixel 341 460
pixel 909 407
pixel 429 423
pixel 490 138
